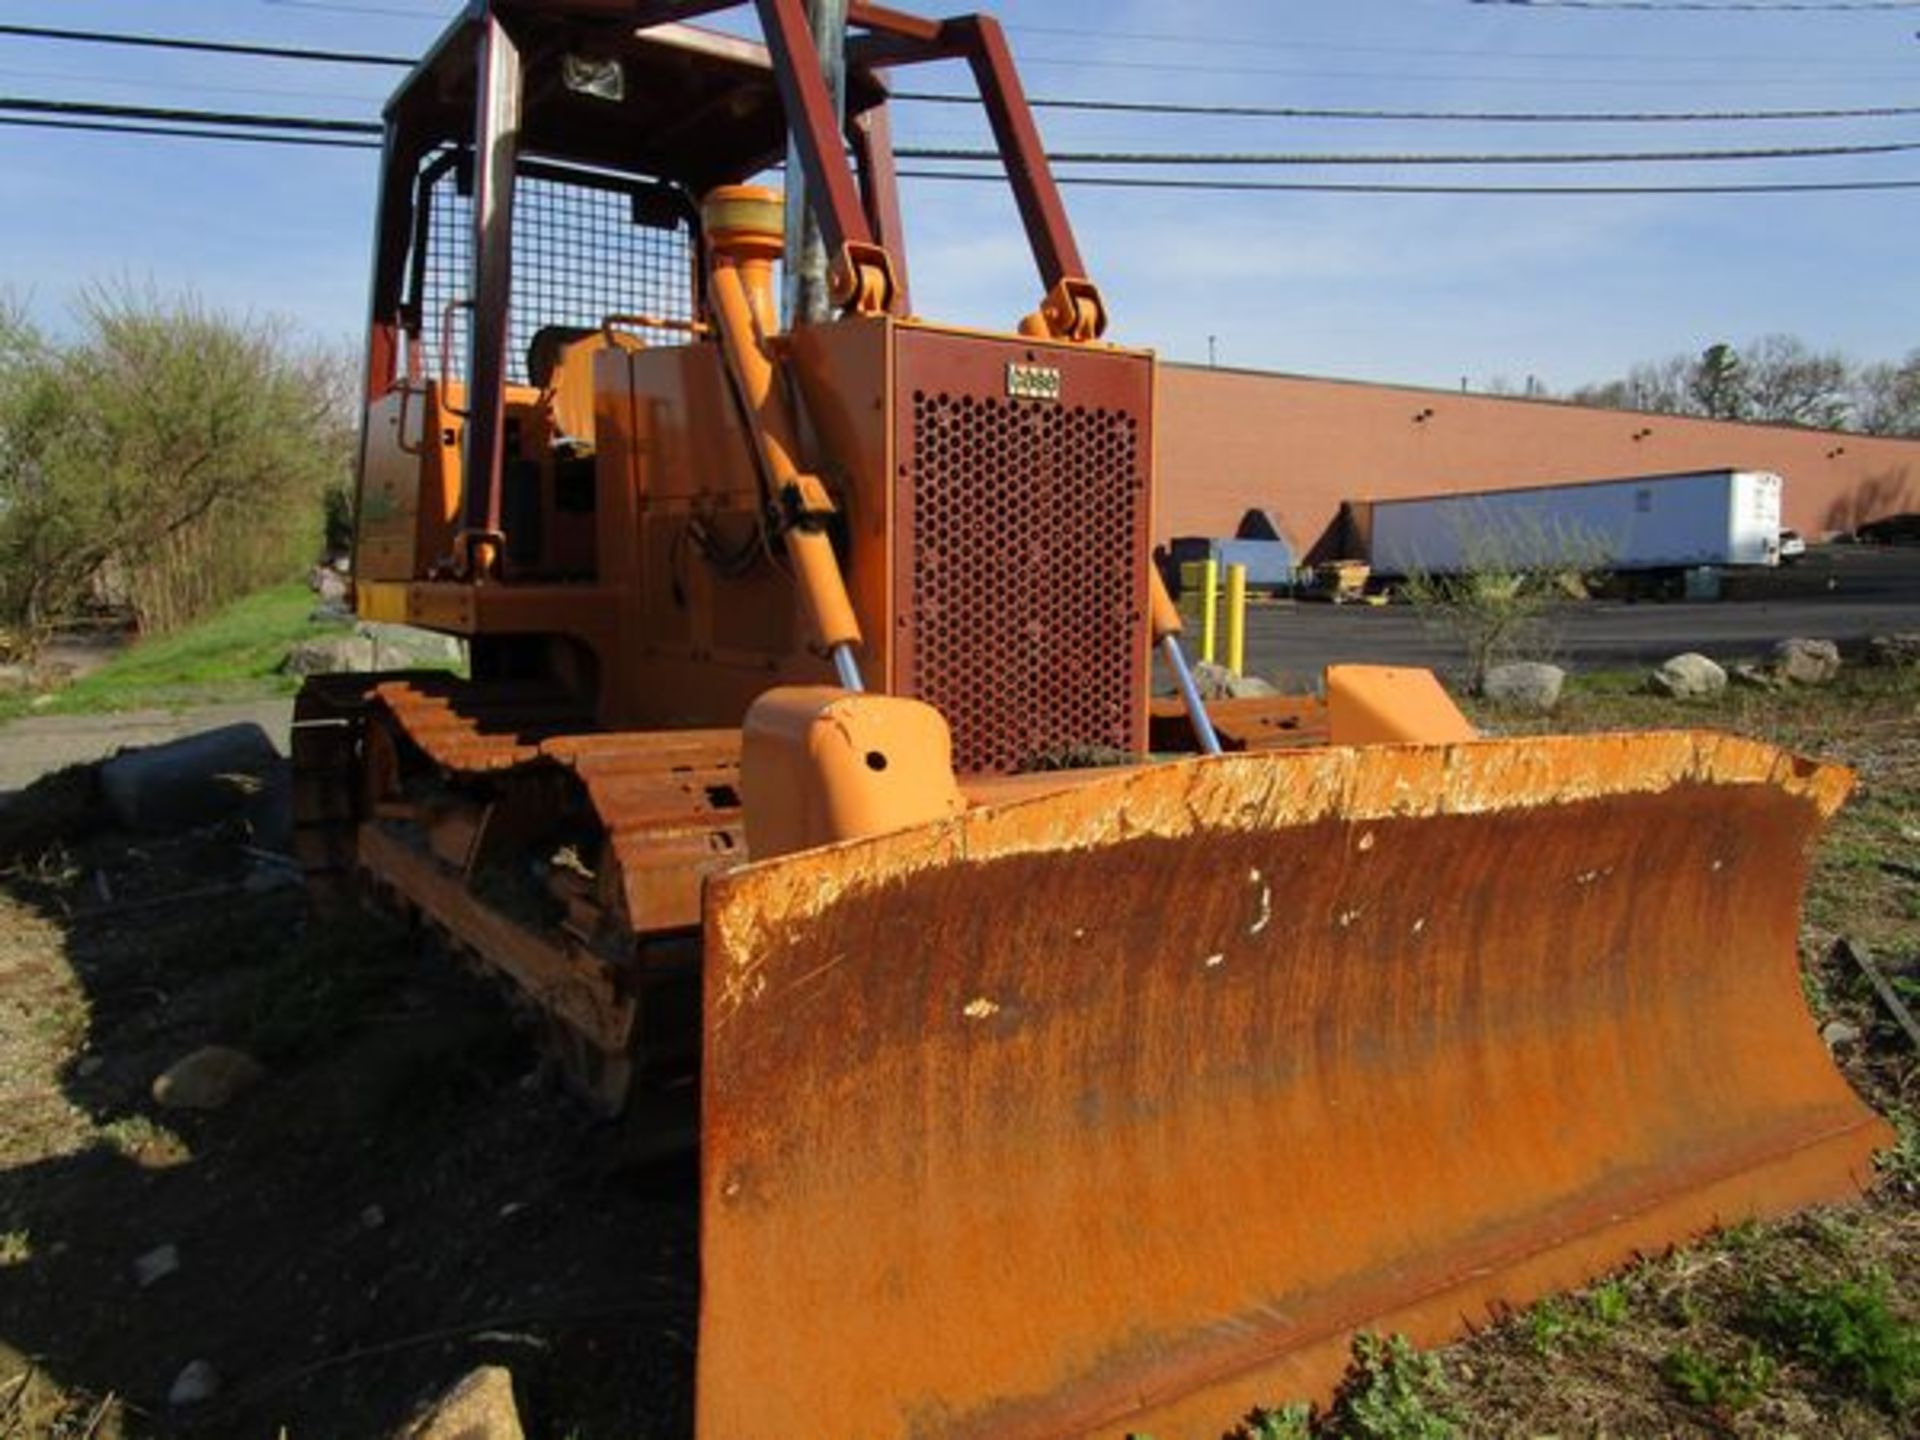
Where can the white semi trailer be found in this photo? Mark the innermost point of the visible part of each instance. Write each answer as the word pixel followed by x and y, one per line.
pixel 1641 522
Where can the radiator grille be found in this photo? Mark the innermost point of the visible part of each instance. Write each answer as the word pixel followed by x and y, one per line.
pixel 1023 599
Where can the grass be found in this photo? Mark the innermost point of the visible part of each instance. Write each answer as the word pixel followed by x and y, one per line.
pixel 233 655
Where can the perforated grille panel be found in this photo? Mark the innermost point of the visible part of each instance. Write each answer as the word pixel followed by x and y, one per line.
pixel 1023 562
pixel 579 255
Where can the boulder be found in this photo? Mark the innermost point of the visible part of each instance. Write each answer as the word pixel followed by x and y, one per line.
pixel 1806 662
pixel 479 1407
pixel 1216 682
pixel 1524 685
pixel 397 647
pixel 1900 650
pixel 1688 677
pixel 329 655
pixel 196 780
pixel 208 1079
pixel 374 645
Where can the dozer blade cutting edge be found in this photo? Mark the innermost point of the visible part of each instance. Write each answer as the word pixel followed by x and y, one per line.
pixel 1123 1107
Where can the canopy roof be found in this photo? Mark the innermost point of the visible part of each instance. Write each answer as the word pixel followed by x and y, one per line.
pixel 698 107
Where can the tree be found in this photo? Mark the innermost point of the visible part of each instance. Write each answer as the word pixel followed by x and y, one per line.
pixel 1717 384
pixel 1787 383
pixel 1776 379
pixel 1886 398
pixel 168 456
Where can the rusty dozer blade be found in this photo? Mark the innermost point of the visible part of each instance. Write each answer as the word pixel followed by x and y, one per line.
pixel 1122 1108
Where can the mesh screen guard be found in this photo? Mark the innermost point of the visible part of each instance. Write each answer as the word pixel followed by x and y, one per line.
pixel 579 255
pixel 1021 553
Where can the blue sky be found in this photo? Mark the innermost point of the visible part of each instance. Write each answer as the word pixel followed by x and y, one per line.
pixel 1423 289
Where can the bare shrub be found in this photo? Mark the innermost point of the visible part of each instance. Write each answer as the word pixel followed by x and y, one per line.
pixel 1515 573
pixel 166 459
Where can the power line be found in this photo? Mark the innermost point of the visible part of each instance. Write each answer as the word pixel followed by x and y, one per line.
pixel 310 124
pixel 199 88
pixel 33 106
pixel 1254 42
pixel 1129 182
pixel 1529 117
pixel 1031 61
pixel 1129 107
pixel 102 127
pixel 207 47
pixel 1087 181
pixel 1591 157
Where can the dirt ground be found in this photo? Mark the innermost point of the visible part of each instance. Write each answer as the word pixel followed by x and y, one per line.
pixel 405 1196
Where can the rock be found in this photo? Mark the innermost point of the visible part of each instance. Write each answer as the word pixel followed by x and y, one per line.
pixel 329 655
pixel 15 680
pixel 1524 685
pixel 196 1383
pixel 1897 651
pixel 156 1265
pixel 193 781
pixel 1688 677
pixel 1806 662
pixel 1758 677
pixel 374 645
pixel 1216 682
pixel 479 1407
pixel 1838 1034
pixel 397 647
pixel 329 584
pixel 208 1079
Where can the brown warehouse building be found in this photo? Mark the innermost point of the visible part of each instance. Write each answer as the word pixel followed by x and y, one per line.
pixel 1297 447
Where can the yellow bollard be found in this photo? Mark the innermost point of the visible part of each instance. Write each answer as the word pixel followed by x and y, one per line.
pixel 1237 618
pixel 1209 606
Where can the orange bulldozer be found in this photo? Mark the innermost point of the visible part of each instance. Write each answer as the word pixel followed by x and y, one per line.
pixel 1059 1060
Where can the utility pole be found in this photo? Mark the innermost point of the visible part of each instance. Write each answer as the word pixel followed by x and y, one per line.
pixel 805 298
pixel 1211 355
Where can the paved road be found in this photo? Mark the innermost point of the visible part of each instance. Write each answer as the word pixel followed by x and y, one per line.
pixel 1873 591
pixel 33 746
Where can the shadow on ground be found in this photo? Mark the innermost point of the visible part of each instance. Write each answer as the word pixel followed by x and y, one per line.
pixel 394 1204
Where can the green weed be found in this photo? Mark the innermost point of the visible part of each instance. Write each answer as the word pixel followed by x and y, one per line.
pixel 1609 1304
pixel 1723 1388
pixel 1847 1331
pixel 1550 1324
pixel 1289 1422
pixel 1391 1392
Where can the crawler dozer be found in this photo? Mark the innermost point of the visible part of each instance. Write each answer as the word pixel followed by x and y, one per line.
pixel 1060 1059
